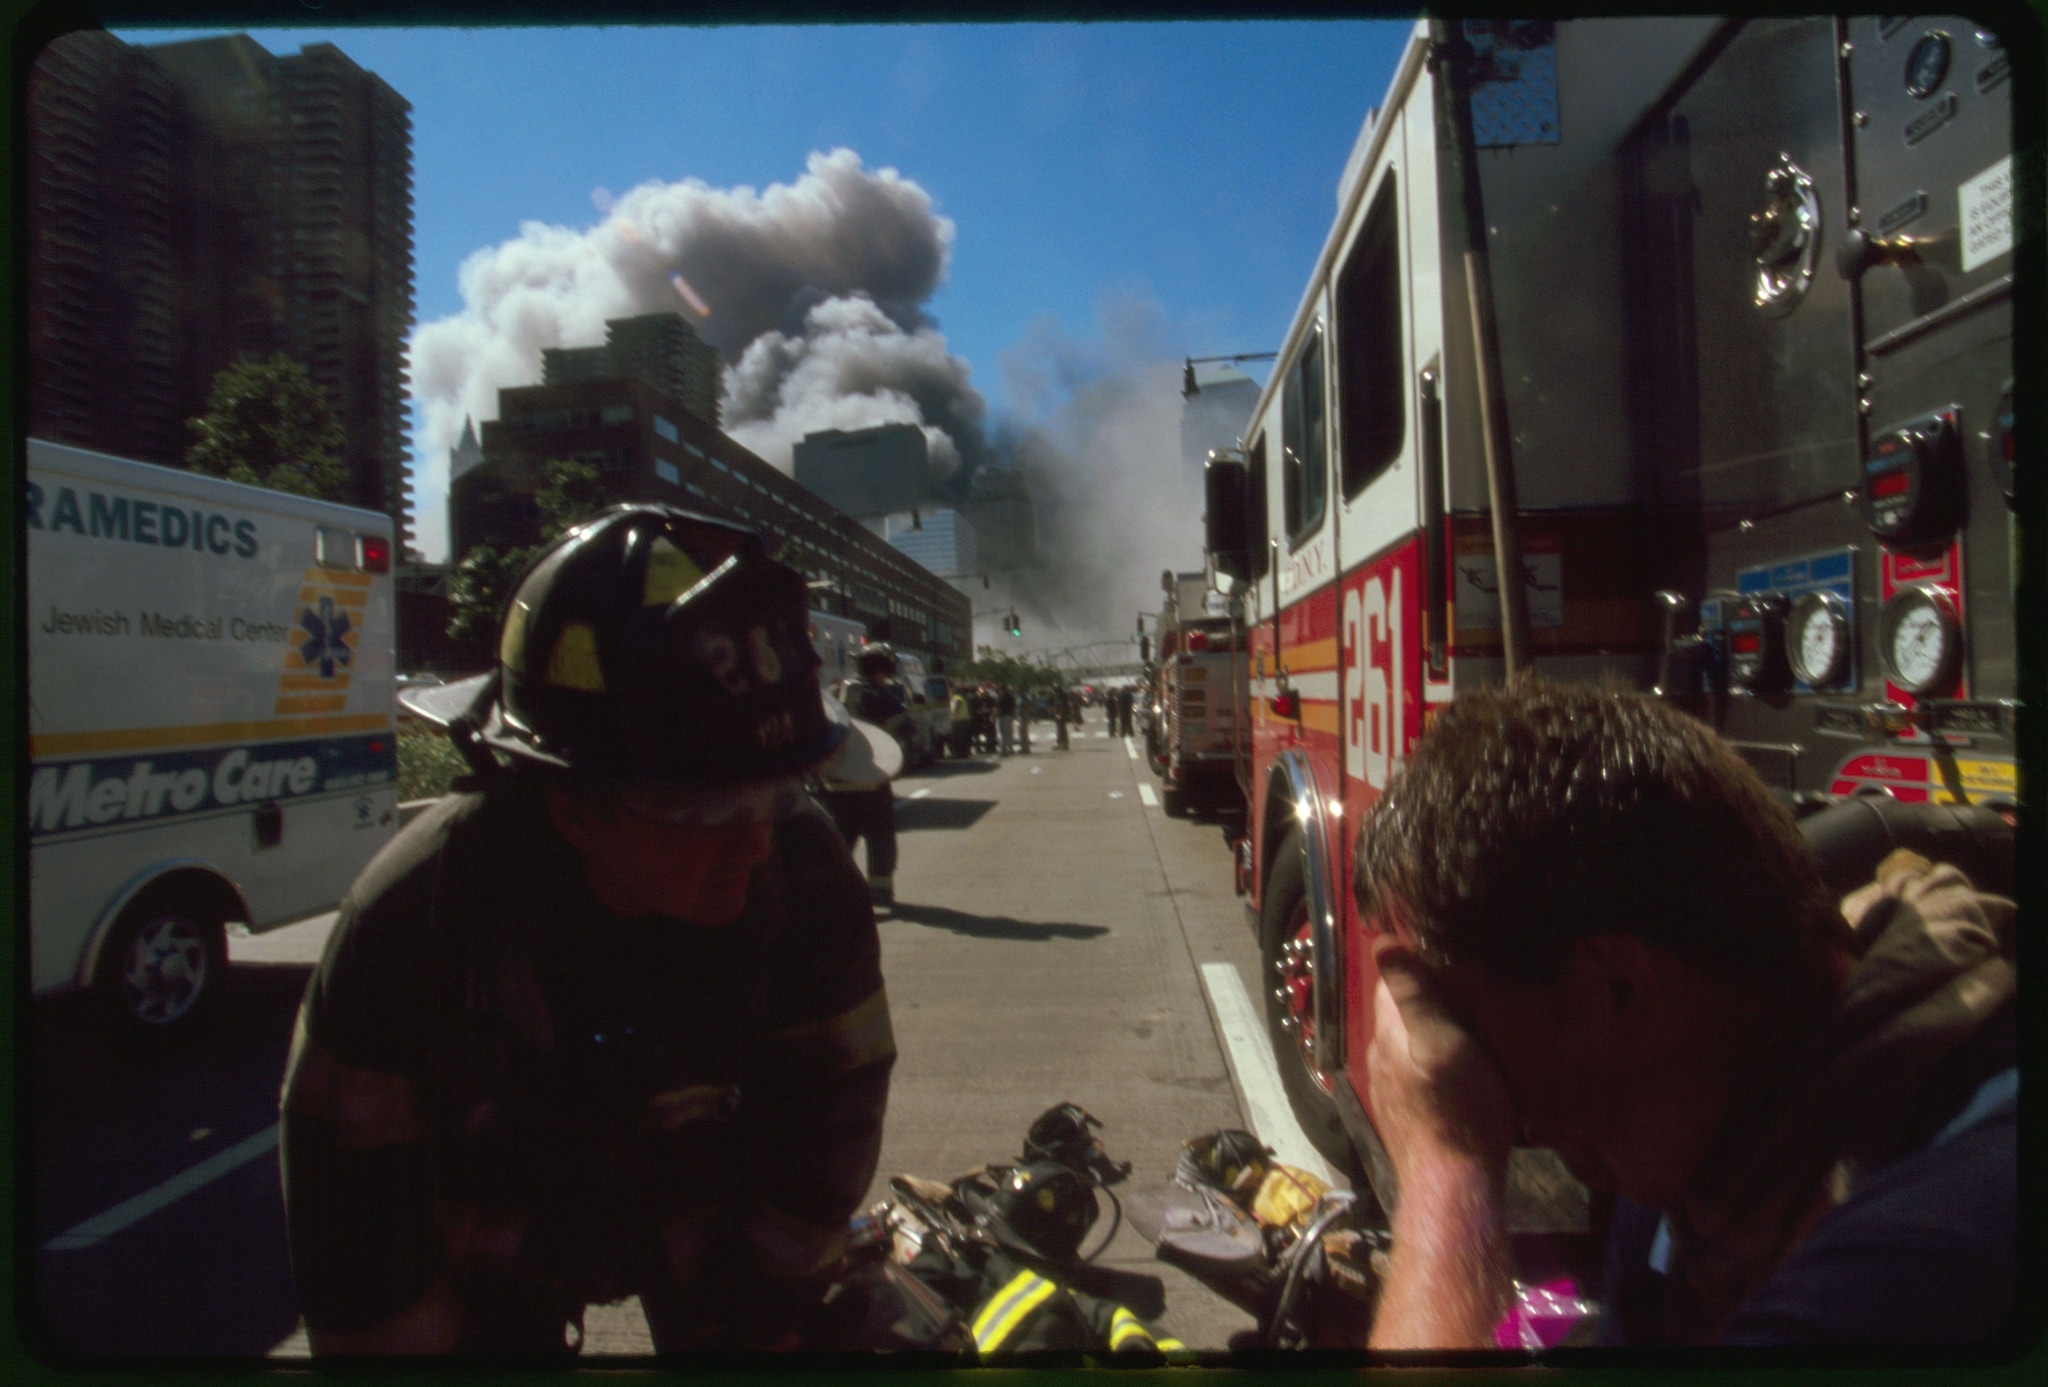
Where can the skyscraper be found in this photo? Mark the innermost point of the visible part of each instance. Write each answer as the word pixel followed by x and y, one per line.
pixel 659 348
pixel 195 204
pixel 108 189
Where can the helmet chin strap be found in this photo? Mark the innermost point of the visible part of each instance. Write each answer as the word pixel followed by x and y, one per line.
pixel 466 731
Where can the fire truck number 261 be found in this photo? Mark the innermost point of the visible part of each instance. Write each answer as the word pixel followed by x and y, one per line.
pixel 1374 633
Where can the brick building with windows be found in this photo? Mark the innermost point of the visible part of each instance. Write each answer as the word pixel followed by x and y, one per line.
pixel 647 448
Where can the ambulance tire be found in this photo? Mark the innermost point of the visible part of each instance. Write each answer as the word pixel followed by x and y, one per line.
pixel 1280 917
pixel 165 966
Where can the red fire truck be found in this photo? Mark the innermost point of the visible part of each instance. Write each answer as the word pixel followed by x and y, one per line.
pixel 1701 329
pixel 1196 719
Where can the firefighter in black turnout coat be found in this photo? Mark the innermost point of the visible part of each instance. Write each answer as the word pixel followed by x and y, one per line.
pixel 612 1024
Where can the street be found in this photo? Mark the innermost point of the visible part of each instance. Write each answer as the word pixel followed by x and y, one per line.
pixel 1049 945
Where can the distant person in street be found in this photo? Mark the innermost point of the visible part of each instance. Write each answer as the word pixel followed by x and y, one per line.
pixel 611 1024
pixel 963 723
pixel 1024 723
pixel 1006 718
pixel 1062 713
pixel 985 719
pixel 1599 927
pixel 870 813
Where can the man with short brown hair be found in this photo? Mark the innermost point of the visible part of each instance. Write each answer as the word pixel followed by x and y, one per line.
pixel 1600 929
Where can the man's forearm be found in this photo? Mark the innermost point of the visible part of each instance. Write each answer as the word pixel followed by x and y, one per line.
pixel 1448 1276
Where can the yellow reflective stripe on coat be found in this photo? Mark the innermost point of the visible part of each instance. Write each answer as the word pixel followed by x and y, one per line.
pixel 1008 1308
pixel 1126 1330
pixel 854 1039
pixel 1124 1327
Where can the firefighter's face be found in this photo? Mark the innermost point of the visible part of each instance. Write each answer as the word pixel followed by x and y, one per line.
pixel 638 866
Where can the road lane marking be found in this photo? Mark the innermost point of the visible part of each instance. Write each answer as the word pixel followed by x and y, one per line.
pixel 132 1211
pixel 1257 1077
pixel 920 794
pixel 1145 794
pixel 1131 747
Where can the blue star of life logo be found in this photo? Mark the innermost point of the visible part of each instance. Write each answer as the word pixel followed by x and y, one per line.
pixel 324 645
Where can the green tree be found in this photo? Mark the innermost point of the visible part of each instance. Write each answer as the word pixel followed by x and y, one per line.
pixel 570 493
pixel 477 590
pixel 267 424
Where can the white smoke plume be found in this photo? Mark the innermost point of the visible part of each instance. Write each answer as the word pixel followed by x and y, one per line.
pixel 850 366
pixel 1100 446
pixel 814 290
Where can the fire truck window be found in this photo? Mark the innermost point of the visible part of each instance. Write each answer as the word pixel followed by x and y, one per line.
pixel 1304 476
pixel 1370 396
pixel 1262 553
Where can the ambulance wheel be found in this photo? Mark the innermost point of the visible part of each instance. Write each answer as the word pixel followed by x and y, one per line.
pixel 1288 971
pixel 165 966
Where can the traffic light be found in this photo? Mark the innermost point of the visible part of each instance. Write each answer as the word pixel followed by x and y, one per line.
pixel 1013 626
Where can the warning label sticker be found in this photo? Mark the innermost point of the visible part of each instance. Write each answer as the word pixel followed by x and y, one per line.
pixel 1985 206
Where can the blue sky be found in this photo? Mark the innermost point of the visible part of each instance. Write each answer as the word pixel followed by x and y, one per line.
pixel 1190 164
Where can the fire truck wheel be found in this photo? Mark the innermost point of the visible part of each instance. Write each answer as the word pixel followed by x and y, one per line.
pixel 164 967
pixel 1174 802
pixel 1288 972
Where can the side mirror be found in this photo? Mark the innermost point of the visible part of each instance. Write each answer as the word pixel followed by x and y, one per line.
pixel 1225 525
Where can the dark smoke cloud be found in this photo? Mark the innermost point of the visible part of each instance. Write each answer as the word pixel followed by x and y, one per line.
pixel 815 291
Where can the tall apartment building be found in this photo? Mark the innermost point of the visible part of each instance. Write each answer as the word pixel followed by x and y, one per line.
pixel 659 348
pixel 194 204
pixel 108 185
pixel 647 448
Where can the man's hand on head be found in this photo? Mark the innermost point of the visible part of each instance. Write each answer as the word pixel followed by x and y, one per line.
pixel 1439 1100
pixel 1442 1109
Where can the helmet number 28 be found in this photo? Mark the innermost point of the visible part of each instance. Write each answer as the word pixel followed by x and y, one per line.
pixel 722 654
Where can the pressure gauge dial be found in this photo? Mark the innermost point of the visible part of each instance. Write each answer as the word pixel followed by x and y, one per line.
pixel 1817 639
pixel 1756 645
pixel 1913 482
pixel 2002 447
pixel 1922 640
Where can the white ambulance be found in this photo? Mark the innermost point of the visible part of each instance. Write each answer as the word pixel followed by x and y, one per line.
pixel 210 729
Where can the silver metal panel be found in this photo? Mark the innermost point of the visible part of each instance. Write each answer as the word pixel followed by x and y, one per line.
pixel 1919 159
pixel 1745 410
pixel 1554 212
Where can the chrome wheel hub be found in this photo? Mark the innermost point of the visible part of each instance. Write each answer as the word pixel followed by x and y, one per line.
pixel 164 970
pixel 1295 991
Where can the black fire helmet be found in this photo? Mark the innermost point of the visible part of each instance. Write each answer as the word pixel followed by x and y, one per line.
pixel 875 655
pixel 650 644
pixel 1041 1210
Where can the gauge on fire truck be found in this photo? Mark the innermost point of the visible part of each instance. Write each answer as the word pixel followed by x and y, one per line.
pixel 1817 639
pixel 2001 446
pixel 1756 645
pixel 1912 481
pixel 1922 640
